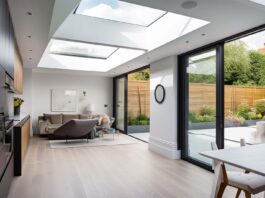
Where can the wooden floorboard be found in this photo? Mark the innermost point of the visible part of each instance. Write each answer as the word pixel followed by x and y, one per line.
pixel 122 171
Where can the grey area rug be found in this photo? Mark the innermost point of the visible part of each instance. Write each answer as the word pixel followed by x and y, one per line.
pixel 106 141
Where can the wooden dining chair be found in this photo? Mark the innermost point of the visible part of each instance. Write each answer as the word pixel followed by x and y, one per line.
pixel 249 183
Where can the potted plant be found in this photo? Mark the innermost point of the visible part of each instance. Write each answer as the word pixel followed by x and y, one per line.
pixel 17 103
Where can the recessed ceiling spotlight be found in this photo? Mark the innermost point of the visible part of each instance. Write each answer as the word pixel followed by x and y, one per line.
pixel 148 58
pixel 203 34
pixel 187 42
pixel 29 13
pixel 30 58
pixel 29 36
pixel 189 4
pixel 30 50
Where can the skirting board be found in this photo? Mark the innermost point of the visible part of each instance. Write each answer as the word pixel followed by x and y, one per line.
pixel 164 148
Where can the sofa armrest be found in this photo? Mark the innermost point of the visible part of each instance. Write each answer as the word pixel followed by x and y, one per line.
pixel 42 126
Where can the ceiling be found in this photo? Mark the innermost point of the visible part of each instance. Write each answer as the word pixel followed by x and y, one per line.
pixel 55 19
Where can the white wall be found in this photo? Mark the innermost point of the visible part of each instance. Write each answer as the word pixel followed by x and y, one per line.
pixel 163 117
pixel 38 86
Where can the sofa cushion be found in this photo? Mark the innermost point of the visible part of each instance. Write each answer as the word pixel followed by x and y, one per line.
pixel 68 117
pixel 104 120
pixel 85 116
pixel 54 118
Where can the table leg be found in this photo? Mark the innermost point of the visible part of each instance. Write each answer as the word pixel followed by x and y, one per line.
pixel 264 194
pixel 218 175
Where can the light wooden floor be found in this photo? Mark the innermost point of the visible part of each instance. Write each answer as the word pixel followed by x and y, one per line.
pixel 123 171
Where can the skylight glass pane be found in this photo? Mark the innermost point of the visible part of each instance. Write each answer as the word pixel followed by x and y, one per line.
pixel 261 2
pixel 71 48
pixel 120 11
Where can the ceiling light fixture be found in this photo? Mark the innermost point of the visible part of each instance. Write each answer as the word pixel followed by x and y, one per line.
pixel 30 58
pixel 203 34
pixel 29 36
pixel 29 13
pixel 30 50
pixel 187 42
pixel 189 4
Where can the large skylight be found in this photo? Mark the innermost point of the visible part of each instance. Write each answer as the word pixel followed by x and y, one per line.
pixel 261 2
pixel 72 48
pixel 120 11
pixel 64 61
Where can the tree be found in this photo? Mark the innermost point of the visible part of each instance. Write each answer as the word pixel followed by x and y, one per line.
pixel 236 63
pixel 256 68
pixel 142 75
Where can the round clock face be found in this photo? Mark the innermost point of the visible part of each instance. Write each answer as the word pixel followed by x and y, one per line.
pixel 160 94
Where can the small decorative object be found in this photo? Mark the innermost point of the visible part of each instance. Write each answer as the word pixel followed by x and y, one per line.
pixel 160 94
pixel 90 108
pixel 17 103
pixel 84 93
pixel 64 100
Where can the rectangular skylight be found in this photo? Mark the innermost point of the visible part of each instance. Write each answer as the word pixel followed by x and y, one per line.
pixel 120 11
pixel 261 2
pixel 79 49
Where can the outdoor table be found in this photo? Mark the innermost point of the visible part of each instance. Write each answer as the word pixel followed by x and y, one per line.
pixel 250 158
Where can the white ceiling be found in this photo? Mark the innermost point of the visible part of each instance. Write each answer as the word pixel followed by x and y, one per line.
pixel 227 17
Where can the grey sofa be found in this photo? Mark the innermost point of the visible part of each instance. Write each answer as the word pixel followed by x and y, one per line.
pixel 75 129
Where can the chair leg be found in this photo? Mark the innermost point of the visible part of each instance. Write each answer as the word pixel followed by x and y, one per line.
pixel 238 193
pixel 221 190
pixel 247 194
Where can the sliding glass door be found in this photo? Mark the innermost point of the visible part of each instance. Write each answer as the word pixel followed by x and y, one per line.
pixel 120 103
pixel 201 104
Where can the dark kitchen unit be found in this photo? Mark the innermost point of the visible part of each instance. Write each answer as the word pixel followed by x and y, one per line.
pixel 6 99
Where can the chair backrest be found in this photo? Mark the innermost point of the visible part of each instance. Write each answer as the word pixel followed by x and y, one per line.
pixel 214 162
pixel 243 142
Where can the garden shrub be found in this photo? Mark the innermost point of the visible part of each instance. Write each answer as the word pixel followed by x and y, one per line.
pixel 206 118
pixel 260 106
pixel 243 110
pixel 207 111
pixel 192 116
pixel 251 116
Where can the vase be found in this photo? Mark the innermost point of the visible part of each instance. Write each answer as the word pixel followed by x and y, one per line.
pixel 16 111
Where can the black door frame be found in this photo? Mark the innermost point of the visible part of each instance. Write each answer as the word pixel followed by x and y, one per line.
pixel 182 92
pixel 183 118
pixel 125 75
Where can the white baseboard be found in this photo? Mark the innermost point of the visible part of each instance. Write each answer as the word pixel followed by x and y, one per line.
pixel 165 148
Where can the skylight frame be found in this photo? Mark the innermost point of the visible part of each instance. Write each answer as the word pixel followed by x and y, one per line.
pixel 119 21
pixel 79 55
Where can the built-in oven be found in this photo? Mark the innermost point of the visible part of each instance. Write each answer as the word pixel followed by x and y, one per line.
pixel 6 142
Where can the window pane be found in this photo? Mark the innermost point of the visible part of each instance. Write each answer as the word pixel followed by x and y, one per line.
pixel 120 11
pixel 72 48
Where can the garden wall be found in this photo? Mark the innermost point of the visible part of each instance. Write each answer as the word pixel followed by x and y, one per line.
pixel 205 94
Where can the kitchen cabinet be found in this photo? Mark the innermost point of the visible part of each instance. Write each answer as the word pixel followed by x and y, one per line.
pixel 6 39
pixel 18 71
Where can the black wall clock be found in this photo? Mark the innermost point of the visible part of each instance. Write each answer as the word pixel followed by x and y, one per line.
pixel 160 93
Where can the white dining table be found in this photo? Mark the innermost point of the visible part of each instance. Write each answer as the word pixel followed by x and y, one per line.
pixel 250 158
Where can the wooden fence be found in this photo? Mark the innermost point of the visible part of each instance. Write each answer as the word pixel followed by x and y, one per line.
pixel 138 98
pixel 199 95
pixel 205 94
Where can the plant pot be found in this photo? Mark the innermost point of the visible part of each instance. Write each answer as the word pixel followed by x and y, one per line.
pixel 16 111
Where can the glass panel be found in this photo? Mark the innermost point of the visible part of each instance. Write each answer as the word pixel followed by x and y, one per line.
pixel 245 90
pixel 72 48
pixel 201 73
pixel 120 11
pixel 139 104
pixel 120 103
